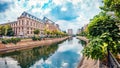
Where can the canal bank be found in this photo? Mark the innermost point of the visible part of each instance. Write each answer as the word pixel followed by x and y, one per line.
pixel 87 62
pixel 26 44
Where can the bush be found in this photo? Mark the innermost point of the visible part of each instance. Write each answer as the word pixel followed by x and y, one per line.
pixel 34 38
pixel 4 41
pixel 8 40
pixel 15 40
pixel 12 40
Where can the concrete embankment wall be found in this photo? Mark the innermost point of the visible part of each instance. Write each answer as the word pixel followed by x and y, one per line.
pixel 28 44
pixel 83 38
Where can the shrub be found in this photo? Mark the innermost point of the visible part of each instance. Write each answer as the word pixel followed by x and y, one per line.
pixel 39 39
pixel 12 40
pixel 8 40
pixel 34 38
pixel 4 41
pixel 15 40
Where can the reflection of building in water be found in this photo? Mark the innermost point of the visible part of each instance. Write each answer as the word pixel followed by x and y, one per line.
pixel 70 40
pixel 29 57
pixel 70 32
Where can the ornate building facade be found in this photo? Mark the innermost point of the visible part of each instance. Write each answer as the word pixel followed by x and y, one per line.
pixel 27 23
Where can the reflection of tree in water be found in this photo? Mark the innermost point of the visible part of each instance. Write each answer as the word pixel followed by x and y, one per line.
pixel 82 42
pixel 26 58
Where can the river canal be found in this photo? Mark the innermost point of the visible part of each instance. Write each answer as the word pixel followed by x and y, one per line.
pixel 66 54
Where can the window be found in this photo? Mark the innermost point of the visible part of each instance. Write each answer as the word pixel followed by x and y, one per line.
pixel 30 23
pixel 22 22
pixel 27 22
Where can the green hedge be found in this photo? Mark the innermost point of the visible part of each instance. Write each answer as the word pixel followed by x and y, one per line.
pixel 34 38
pixel 11 40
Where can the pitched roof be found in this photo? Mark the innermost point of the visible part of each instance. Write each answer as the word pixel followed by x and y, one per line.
pixel 45 19
pixel 30 16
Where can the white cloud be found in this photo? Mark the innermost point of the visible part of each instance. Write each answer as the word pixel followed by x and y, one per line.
pixel 59 2
pixel 11 63
pixel 85 9
pixel 75 2
pixel 48 61
pixel 36 10
pixel 1 1
pixel 64 64
pixel 63 9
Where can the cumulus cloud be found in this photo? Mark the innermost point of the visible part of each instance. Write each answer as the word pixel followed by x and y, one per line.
pixel 67 13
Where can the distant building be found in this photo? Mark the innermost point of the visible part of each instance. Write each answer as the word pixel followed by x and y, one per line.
pixel 27 23
pixel 84 27
pixel 78 31
pixel 70 32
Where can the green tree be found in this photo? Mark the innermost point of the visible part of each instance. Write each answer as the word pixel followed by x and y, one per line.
pixel 6 30
pixel 112 5
pixel 36 31
pixel 94 49
pixel 97 48
pixel 10 32
pixel 102 24
pixel 104 33
pixel 83 33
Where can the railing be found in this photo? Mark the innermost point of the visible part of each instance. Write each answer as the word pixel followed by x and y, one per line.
pixel 112 62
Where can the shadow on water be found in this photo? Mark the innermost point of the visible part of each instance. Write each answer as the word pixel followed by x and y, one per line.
pixel 26 58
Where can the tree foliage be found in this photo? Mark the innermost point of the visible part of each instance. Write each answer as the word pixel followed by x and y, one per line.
pixel 83 33
pixel 102 24
pixel 6 30
pixel 37 31
pixel 11 40
pixel 112 5
pixel 104 34
pixel 97 48
pixel 55 33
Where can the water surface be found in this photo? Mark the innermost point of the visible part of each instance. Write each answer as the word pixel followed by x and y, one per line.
pixel 66 54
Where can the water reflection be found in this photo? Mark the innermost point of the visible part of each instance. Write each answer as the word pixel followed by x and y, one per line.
pixel 82 42
pixel 70 40
pixel 26 58
pixel 64 55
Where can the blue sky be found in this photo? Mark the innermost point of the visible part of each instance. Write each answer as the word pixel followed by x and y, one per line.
pixel 67 13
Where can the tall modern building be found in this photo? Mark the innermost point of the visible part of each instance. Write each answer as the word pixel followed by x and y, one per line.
pixel 27 23
pixel 70 32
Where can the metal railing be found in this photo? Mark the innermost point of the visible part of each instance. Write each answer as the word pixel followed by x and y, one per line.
pixel 112 62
